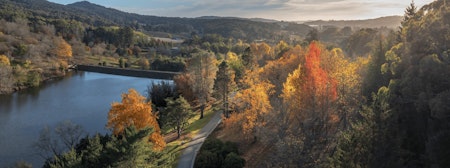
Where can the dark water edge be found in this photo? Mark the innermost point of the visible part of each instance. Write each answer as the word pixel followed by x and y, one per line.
pixel 81 97
pixel 129 72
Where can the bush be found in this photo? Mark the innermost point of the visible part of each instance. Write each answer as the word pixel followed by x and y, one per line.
pixel 233 160
pixel 215 153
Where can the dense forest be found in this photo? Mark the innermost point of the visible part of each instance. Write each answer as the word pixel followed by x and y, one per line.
pixel 313 106
pixel 291 95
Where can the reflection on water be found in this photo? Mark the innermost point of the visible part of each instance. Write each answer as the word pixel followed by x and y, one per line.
pixel 83 98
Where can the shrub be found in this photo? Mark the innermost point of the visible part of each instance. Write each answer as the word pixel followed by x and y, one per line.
pixel 215 153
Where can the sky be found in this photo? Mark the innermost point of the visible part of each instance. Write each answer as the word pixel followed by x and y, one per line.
pixel 287 10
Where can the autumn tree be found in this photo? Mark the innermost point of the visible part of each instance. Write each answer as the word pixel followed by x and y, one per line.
pixel 183 87
pixel 62 49
pixel 348 77
pixel 277 71
pixel 202 70
pixel 309 94
pixel 178 113
pixel 280 48
pixel 4 60
pixel 262 52
pixel 6 74
pixel 252 104
pixel 144 63
pixel 135 111
pixel 249 59
pixel 310 85
pixel 235 64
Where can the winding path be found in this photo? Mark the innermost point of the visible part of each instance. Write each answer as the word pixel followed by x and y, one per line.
pixel 188 157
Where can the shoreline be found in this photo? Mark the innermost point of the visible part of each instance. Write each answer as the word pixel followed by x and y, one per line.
pixel 153 74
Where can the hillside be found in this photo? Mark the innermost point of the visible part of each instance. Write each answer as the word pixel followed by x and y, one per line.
pixel 239 28
pixel 388 21
pixel 96 15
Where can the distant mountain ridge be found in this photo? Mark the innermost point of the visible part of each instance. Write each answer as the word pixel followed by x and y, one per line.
pixel 96 15
pixel 387 21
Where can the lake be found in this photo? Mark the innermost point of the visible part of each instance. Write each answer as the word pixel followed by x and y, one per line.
pixel 81 97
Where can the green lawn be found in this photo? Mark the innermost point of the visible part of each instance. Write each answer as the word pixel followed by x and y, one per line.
pixel 196 124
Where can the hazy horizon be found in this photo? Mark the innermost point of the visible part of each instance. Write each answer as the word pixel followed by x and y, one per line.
pixel 287 10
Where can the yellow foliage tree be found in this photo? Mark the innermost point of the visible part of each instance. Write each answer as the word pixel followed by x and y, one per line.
pixel 262 52
pixel 232 57
pixel 4 60
pixel 253 103
pixel 62 48
pixel 277 71
pixel 134 110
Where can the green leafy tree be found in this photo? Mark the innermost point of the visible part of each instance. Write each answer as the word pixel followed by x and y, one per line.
pixel 313 35
pixel 157 93
pixel 215 153
pixel 131 149
pixel 375 78
pixel 223 84
pixel 68 159
pixel 121 63
pixel 178 113
pixel 232 160
pixel 370 139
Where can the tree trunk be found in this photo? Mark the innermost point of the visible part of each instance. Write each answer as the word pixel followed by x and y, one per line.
pixel 178 133
pixel 202 109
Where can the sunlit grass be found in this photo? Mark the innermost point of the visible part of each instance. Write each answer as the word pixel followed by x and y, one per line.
pixel 196 124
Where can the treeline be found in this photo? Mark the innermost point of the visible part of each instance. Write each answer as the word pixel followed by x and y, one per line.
pixel 404 124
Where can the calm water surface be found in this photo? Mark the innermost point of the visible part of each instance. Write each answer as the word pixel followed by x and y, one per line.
pixel 83 98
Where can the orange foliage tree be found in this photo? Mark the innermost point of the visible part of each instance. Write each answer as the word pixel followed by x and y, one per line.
pixel 134 110
pixel 318 85
pixel 310 95
pixel 310 91
pixel 183 86
pixel 62 48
